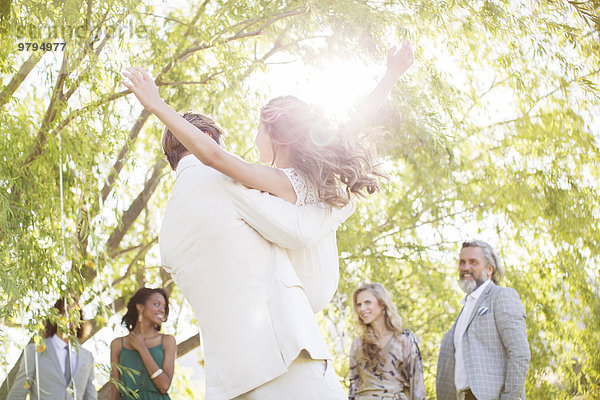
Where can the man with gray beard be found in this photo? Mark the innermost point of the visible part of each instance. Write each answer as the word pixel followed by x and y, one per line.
pixel 485 355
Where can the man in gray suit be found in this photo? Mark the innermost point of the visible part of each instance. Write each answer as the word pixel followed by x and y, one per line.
pixel 65 371
pixel 485 355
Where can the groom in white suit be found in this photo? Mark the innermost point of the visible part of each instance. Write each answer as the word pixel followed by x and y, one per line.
pixel 261 340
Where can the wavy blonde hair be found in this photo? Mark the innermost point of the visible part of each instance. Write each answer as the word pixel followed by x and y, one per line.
pixel 369 349
pixel 322 154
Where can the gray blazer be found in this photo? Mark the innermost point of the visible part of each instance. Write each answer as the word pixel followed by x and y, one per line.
pixel 53 385
pixel 495 347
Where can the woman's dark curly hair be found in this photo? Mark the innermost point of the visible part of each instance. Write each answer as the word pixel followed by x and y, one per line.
pixel 140 297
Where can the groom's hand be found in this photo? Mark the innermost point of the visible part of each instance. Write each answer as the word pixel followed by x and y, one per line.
pixel 142 85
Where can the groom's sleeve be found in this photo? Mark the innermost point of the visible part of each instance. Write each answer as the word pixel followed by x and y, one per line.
pixel 283 223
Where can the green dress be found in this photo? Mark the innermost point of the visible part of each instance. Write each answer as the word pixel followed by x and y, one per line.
pixel 141 384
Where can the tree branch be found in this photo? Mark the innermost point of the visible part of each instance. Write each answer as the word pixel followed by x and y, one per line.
pixel 115 96
pixel 480 204
pixel 59 99
pixel 19 77
pixel 142 252
pixel 83 73
pixel 116 169
pixel 135 208
pixel 538 100
pixel 239 35
pixel 51 112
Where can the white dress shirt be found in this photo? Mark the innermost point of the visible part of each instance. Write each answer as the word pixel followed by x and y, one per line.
pixel 460 375
pixel 61 348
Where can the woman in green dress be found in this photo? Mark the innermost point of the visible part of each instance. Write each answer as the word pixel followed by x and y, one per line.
pixel 143 361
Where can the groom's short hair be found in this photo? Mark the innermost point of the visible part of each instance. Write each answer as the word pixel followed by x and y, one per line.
pixel 173 148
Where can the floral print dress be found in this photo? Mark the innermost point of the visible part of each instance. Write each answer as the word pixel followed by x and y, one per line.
pixel 399 377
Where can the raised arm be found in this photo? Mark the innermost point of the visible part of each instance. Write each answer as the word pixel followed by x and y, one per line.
pixel 283 223
pixel 260 177
pixel 398 61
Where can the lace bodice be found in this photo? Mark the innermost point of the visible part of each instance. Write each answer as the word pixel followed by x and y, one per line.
pixel 306 192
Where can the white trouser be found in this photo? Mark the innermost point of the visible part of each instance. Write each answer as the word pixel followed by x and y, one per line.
pixel 305 379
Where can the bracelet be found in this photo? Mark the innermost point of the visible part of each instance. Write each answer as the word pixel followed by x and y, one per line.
pixel 156 373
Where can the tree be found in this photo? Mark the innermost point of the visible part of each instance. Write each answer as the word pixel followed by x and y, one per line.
pixel 493 134
pixel 80 216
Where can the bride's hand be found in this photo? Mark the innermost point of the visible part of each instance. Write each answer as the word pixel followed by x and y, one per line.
pixel 142 85
pixel 399 60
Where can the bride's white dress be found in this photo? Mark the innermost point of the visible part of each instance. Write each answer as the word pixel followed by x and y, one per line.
pixel 316 266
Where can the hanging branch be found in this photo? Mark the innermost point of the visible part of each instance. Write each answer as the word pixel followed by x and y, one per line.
pixel 135 208
pixel 116 169
pixel 59 97
pixel 196 46
pixel 20 76
pixel 141 253
pixel 56 101
pixel 105 99
pixel 92 325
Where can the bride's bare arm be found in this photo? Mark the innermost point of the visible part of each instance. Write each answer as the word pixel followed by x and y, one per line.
pixel 259 177
pixel 398 61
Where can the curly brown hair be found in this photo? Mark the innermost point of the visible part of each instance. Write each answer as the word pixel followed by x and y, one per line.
pixel 323 154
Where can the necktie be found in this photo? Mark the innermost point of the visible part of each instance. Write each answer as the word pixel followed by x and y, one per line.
pixel 68 365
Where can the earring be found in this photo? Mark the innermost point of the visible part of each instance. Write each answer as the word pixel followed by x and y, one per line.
pixel 140 318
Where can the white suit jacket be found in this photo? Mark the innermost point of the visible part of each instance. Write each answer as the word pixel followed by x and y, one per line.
pixel 305 232
pixel 53 385
pixel 253 314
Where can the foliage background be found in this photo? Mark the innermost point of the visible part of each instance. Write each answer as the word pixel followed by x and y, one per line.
pixel 494 133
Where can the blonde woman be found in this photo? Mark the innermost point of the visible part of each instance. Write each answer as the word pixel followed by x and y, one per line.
pixel 385 361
